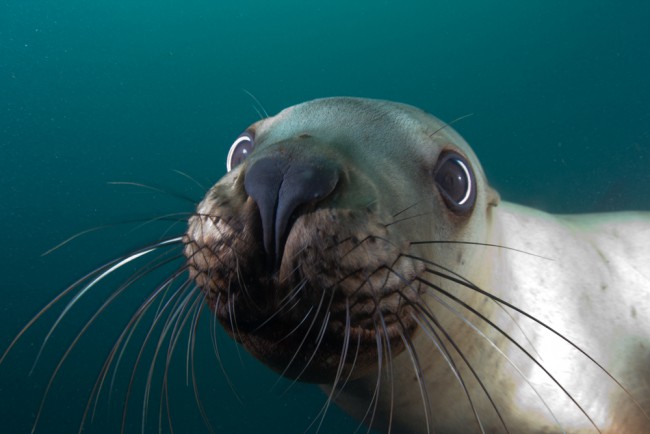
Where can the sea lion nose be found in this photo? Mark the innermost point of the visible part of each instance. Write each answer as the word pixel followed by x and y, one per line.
pixel 279 186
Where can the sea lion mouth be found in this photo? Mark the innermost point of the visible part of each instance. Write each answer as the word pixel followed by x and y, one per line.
pixel 342 293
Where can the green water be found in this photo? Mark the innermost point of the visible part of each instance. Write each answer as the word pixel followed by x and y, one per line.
pixel 100 91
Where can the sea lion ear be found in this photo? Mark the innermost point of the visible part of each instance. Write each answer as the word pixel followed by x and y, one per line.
pixel 493 197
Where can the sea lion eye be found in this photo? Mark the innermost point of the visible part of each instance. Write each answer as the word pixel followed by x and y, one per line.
pixel 239 150
pixel 455 181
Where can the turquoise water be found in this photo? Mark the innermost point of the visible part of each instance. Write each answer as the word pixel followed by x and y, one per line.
pixel 94 92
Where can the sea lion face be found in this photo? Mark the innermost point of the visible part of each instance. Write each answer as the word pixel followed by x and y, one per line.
pixel 310 249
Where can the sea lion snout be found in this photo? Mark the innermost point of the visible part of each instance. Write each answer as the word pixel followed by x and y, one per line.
pixel 280 186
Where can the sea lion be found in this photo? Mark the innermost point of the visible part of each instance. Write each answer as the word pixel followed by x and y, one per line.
pixel 356 244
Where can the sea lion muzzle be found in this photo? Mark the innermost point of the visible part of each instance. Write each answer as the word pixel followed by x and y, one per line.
pixel 279 187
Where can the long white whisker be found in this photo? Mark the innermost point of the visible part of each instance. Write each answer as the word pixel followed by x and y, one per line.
pixel 90 285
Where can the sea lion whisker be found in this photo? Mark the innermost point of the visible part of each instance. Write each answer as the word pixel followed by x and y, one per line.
pixel 215 348
pixel 319 341
pixel 517 344
pixel 165 217
pixel 165 286
pixel 426 311
pixel 408 344
pixel 471 243
pixel 197 314
pixel 69 349
pixel 259 104
pixel 230 307
pixel 191 178
pixel 170 304
pixel 374 400
pixel 103 272
pixel 389 369
pixel 113 225
pixel 403 210
pixel 83 330
pixel 123 339
pixel 304 338
pixel 500 306
pixel 242 284
pixel 297 327
pixel 282 307
pixel 351 369
pixel 171 323
pixel 407 218
pixel 448 124
pixel 339 370
pixel 428 327
pixel 157 190
pixel 360 242
pixel 172 320
pixel 175 313
pixel 475 288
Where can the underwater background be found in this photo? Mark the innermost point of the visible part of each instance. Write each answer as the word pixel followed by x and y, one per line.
pixel 93 92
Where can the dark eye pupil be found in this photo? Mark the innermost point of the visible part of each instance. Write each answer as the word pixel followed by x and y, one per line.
pixel 240 154
pixel 239 151
pixel 453 179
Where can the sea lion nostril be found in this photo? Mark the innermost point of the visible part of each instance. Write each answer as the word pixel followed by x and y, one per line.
pixel 279 186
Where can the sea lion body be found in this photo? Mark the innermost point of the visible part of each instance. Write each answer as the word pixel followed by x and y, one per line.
pixel 590 289
pixel 466 313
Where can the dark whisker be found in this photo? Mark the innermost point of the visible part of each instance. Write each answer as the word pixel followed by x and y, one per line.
pixel 431 317
pixel 470 243
pixel 503 333
pixel 445 125
pixel 459 315
pixel 304 339
pixel 429 325
pixel 470 285
pixel 407 218
pixel 500 306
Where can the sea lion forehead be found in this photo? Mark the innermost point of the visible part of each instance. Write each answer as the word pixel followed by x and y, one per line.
pixel 359 120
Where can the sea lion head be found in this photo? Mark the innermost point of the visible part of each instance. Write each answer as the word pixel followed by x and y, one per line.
pixel 311 248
